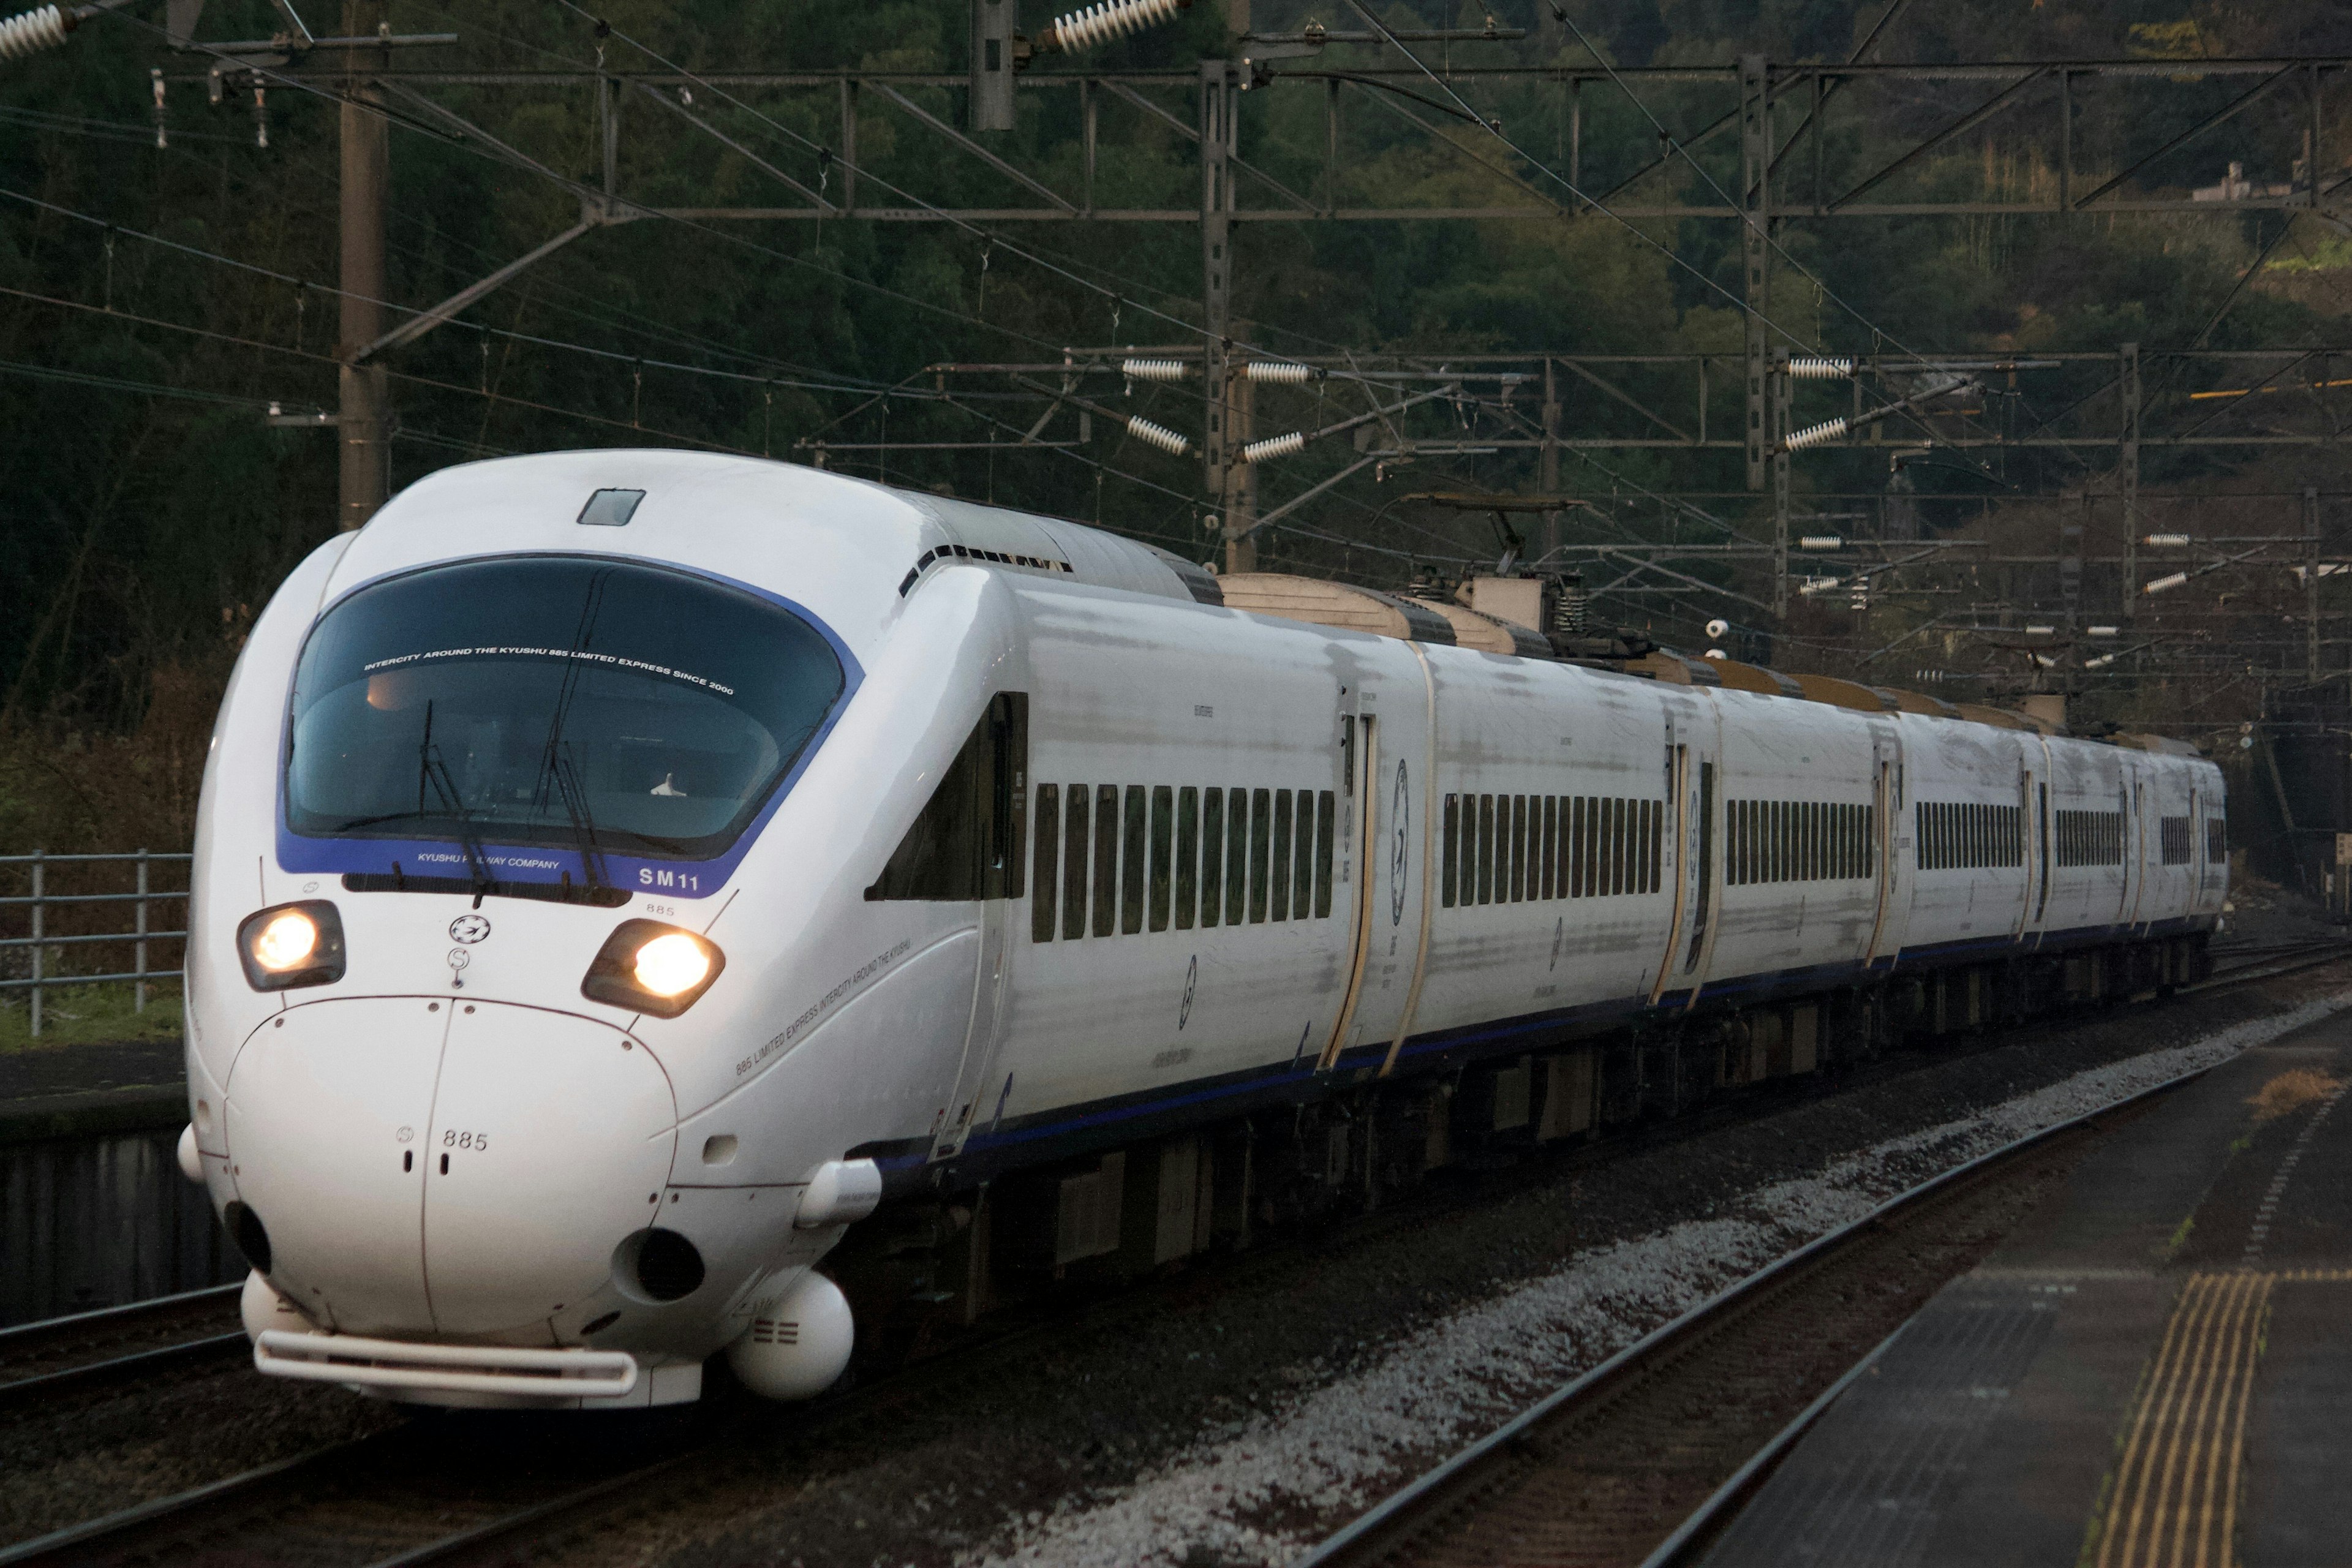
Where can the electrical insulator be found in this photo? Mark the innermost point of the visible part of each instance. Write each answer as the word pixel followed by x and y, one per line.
pixel 33 31
pixel 2102 631
pixel 1811 368
pixel 1155 369
pixel 260 118
pixel 1276 372
pixel 1100 23
pixel 2161 584
pixel 2167 541
pixel 1159 436
pixel 1821 540
pixel 1569 618
pixel 157 76
pixel 1280 446
pixel 1814 435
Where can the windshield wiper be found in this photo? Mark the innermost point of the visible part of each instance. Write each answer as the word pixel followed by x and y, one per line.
pixel 431 770
pixel 574 795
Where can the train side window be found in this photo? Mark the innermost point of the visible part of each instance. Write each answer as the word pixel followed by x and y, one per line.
pixel 1278 882
pixel 1236 856
pixel 1261 844
pixel 1486 849
pixel 1547 841
pixel 1188 854
pixel 1212 855
pixel 1817 840
pixel 1044 880
pixel 1106 859
pixel 1561 866
pixel 1163 835
pixel 1449 850
pixel 1832 840
pixel 1518 848
pixel 1302 858
pixel 1326 830
pixel 1927 847
pixel 1073 866
pixel 966 841
pixel 1657 846
pixel 1621 838
pixel 1604 853
pixel 1734 842
pixel 1580 873
pixel 1131 868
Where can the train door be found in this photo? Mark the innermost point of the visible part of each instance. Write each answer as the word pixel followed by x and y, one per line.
pixel 995 763
pixel 2028 771
pixel 1681 802
pixel 1361 767
pixel 2037 803
pixel 1893 917
pixel 1698 754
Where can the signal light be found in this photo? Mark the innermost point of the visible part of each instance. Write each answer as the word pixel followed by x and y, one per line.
pixel 287 946
pixel 649 967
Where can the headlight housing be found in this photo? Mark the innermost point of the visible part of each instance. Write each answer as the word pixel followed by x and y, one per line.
pixel 287 946
pixel 650 967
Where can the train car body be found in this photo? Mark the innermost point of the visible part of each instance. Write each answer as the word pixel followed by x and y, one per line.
pixel 619 873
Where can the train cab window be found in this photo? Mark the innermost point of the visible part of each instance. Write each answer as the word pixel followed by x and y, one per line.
pixel 1449 847
pixel 1278 883
pixel 1188 854
pixel 1044 881
pixel 1106 859
pixel 966 842
pixel 1212 855
pixel 2217 840
pixel 1163 833
pixel 1261 851
pixel 1074 863
pixel 1327 828
pixel 1131 865
pixel 1237 834
pixel 576 702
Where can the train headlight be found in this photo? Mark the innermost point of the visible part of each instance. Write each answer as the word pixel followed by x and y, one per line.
pixel 290 946
pixel 653 968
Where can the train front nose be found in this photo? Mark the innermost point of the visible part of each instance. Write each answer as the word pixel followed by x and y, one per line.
pixel 417 1166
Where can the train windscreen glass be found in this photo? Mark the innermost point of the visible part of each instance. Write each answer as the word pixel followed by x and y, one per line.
pixel 553 699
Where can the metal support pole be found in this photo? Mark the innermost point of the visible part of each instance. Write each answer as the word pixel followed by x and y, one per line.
pixel 2127 469
pixel 1547 475
pixel 1090 131
pixel 138 967
pixel 364 477
pixel 2065 139
pixel 39 932
pixel 848 159
pixel 2070 564
pixel 994 23
pixel 1755 163
pixel 1776 435
pixel 1226 397
pixel 2311 584
pixel 608 121
pixel 1241 483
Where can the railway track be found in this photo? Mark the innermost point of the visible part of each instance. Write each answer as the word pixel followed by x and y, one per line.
pixel 44 1358
pixel 1642 1459
pixel 447 1489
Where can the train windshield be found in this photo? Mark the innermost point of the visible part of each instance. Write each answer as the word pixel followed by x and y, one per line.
pixel 553 699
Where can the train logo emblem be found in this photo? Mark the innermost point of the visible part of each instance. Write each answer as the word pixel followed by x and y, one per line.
pixel 470 928
pixel 1402 811
pixel 1191 979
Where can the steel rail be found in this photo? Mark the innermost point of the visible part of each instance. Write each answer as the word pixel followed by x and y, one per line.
pixel 1432 1488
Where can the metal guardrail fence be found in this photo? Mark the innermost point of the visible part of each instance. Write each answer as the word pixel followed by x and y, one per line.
pixel 44 944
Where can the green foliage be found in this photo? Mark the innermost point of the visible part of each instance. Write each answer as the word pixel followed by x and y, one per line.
pixel 147 510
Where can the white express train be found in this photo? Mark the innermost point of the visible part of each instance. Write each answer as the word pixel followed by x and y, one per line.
pixel 620 873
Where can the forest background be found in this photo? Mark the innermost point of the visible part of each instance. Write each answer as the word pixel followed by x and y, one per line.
pixel 154 302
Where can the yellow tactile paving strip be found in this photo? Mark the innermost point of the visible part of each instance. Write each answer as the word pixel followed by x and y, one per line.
pixel 2174 1500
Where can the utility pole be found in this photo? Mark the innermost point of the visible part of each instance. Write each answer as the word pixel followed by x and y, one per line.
pixel 2127 468
pixel 1225 394
pixel 2311 583
pixel 1547 475
pixel 1755 263
pixel 365 415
